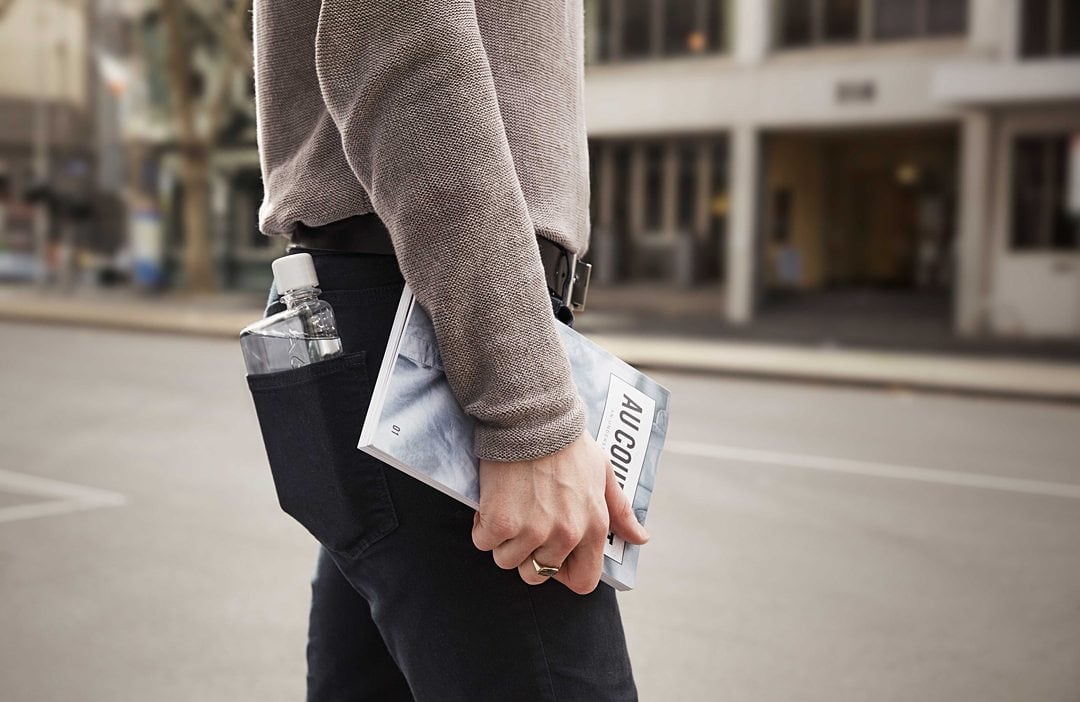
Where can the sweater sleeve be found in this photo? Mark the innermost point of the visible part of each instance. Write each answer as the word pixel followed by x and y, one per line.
pixel 409 86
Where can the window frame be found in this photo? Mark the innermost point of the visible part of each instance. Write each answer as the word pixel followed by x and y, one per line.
pixel 866 32
pixel 1053 194
pixel 610 48
pixel 1053 32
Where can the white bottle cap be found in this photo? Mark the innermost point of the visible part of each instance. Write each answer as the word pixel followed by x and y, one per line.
pixel 294 271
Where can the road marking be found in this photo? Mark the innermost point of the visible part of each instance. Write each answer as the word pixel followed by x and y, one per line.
pixel 877 470
pixel 59 497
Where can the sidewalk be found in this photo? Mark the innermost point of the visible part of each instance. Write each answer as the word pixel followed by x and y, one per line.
pixel 224 315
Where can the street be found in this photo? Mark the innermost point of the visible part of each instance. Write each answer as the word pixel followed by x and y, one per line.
pixel 809 542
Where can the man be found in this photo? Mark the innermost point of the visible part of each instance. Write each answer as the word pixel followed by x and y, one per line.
pixel 449 133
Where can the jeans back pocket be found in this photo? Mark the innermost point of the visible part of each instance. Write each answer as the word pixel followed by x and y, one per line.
pixel 310 418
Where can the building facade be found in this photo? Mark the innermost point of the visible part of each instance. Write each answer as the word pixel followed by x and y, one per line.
pixel 919 147
pixel 47 154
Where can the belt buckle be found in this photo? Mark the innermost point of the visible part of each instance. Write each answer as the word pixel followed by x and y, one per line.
pixel 569 276
pixel 574 281
pixel 579 283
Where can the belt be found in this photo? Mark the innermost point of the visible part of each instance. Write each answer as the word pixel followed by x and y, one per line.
pixel 567 277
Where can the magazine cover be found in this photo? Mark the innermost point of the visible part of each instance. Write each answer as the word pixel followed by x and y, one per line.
pixel 415 424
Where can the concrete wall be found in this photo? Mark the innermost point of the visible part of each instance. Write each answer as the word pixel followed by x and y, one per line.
pixel 43 51
pixel 876 85
pixel 1030 293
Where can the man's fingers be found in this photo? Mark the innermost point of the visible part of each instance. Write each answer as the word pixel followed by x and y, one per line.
pixel 552 552
pixel 623 521
pixel 579 570
pixel 488 532
pixel 582 568
pixel 517 551
pixel 529 574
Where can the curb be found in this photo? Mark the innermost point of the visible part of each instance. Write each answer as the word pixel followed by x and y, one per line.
pixel 995 377
pixel 933 372
pixel 165 319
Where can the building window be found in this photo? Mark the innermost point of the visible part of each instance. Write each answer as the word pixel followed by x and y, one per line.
pixel 1040 220
pixel 690 27
pixel 895 19
pixel 841 20
pixel 946 17
pixel 654 185
pixel 660 208
pixel 597 24
pixel 801 23
pixel 795 26
pixel 1049 28
pixel 637 29
pixel 686 198
pixel 907 19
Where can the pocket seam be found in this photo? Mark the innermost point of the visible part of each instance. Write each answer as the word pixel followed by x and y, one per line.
pixel 391 524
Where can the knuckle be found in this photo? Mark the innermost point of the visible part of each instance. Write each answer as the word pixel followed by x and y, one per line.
pixel 568 535
pixel 531 533
pixel 621 508
pixel 597 527
pixel 501 525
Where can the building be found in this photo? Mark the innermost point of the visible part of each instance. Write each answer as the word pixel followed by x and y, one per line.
pixel 774 148
pixel 47 155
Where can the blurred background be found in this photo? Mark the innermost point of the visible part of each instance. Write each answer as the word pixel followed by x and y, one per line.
pixel 846 233
pixel 894 171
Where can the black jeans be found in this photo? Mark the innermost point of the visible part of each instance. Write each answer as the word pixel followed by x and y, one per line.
pixel 403 604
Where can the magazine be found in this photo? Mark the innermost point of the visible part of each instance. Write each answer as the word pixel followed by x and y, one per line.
pixel 415 424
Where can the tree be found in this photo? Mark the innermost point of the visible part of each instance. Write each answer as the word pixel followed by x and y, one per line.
pixel 228 27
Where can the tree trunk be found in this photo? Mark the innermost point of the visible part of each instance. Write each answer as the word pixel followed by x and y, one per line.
pixel 198 255
pixel 194 155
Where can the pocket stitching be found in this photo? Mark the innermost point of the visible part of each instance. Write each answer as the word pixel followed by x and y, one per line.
pixel 281 379
pixel 391 524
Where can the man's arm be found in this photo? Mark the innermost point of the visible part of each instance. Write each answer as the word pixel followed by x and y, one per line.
pixel 410 89
pixel 409 86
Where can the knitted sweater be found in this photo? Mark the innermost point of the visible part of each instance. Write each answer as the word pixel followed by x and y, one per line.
pixel 461 124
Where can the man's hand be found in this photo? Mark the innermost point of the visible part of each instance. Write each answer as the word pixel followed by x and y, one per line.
pixel 557 509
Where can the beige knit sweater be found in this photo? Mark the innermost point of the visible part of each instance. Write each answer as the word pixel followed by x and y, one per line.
pixel 461 124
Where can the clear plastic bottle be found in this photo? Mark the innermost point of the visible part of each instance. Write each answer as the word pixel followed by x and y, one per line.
pixel 304 333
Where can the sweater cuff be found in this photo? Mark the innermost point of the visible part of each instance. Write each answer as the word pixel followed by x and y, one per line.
pixel 535 439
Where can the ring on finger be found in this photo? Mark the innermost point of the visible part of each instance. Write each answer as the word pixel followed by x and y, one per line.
pixel 545 571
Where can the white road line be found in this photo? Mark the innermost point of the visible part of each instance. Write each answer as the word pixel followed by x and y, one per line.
pixel 59 497
pixel 877 470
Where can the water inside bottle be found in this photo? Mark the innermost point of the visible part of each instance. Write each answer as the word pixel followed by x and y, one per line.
pixel 288 340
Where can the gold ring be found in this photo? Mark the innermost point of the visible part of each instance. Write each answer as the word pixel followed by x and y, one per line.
pixel 543 570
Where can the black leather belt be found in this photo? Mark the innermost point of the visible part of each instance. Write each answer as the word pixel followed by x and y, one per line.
pixel 567 277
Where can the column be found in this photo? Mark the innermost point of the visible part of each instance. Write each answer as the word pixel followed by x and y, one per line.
pixel 972 226
pixel 990 30
pixel 742 224
pixel 751 35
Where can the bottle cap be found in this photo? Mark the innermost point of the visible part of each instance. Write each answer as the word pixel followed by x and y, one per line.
pixel 294 271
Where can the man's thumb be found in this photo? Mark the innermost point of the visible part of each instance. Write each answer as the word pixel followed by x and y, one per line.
pixel 623 521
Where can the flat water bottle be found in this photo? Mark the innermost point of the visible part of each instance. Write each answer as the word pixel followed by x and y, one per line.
pixel 304 333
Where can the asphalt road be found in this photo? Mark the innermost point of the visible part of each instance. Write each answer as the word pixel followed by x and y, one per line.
pixel 809 542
